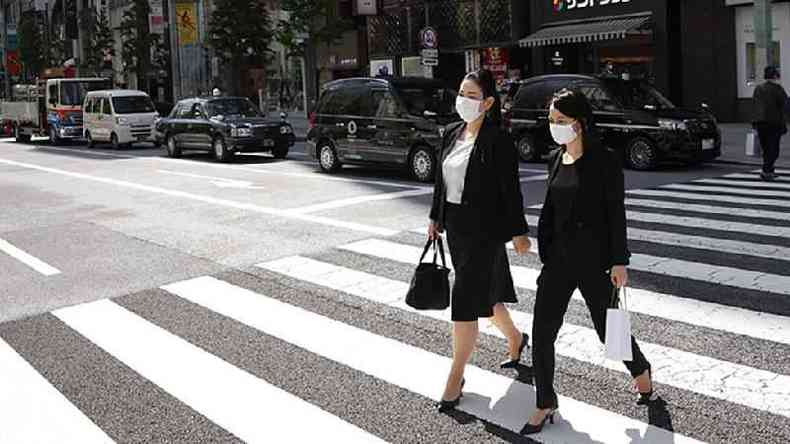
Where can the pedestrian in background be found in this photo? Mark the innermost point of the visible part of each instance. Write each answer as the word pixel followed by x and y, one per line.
pixel 477 199
pixel 582 244
pixel 770 102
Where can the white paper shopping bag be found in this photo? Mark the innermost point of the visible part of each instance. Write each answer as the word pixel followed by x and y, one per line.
pixel 753 148
pixel 618 330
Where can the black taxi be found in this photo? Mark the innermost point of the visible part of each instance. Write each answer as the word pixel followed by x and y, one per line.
pixel 392 122
pixel 633 118
pixel 223 126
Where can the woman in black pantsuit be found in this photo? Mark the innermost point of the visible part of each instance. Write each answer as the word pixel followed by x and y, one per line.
pixel 477 199
pixel 582 244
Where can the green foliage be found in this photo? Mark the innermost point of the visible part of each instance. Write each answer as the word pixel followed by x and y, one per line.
pixel 98 39
pixel 309 21
pixel 139 44
pixel 31 41
pixel 240 28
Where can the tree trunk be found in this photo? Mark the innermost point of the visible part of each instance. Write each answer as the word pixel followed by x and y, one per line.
pixel 235 77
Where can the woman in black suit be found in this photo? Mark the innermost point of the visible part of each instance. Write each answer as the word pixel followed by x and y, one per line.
pixel 477 199
pixel 582 244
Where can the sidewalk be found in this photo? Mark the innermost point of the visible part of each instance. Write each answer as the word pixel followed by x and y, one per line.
pixel 733 146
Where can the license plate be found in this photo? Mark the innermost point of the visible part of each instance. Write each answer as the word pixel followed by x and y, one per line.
pixel 268 142
pixel 708 144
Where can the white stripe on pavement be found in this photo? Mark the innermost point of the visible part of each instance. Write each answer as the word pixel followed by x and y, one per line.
pixel 739 384
pixel 697 222
pixel 33 411
pixel 31 261
pixel 712 189
pixel 709 209
pixel 755 177
pixel 759 325
pixel 230 397
pixel 487 395
pixel 356 200
pixel 707 198
pixel 738 183
pixel 210 200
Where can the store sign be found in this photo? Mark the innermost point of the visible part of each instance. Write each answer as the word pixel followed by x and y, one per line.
pixel 496 60
pixel 567 5
pixel 429 38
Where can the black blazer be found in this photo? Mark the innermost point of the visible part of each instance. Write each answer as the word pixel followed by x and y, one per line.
pixel 599 208
pixel 492 190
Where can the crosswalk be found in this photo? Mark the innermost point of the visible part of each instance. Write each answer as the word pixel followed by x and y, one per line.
pixel 322 347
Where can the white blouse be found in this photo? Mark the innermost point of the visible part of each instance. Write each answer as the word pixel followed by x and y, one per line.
pixel 454 169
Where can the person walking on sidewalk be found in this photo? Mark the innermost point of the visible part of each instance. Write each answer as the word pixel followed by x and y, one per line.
pixel 582 244
pixel 477 199
pixel 770 102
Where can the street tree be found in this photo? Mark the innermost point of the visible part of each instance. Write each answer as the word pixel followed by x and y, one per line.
pixel 98 39
pixel 139 44
pixel 240 31
pixel 31 43
pixel 309 23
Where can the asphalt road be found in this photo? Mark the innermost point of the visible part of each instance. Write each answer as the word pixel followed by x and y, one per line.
pixel 94 243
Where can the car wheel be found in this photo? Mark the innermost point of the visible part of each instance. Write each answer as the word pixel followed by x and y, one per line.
pixel 527 150
pixel 421 164
pixel 221 152
pixel 53 136
pixel 91 142
pixel 173 150
pixel 641 154
pixel 327 158
pixel 114 141
pixel 280 152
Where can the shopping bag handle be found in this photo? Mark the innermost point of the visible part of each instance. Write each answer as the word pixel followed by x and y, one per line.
pixel 614 302
pixel 436 250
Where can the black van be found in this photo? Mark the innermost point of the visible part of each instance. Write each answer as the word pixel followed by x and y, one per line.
pixel 381 121
pixel 632 116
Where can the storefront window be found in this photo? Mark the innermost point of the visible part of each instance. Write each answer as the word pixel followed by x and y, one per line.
pixel 751 60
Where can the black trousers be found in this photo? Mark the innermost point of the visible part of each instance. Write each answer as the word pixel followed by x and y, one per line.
pixel 770 137
pixel 556 284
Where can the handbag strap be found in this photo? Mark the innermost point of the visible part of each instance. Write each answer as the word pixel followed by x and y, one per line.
pixel 425 251
pixel 614 302
pixel 441 252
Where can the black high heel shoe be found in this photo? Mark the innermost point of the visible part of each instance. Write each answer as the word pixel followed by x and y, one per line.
pixel 647 398
pixel 446 406
pixel 530 429
pixel 513 363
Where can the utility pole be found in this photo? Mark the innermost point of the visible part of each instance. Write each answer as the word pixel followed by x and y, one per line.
pixel 763 37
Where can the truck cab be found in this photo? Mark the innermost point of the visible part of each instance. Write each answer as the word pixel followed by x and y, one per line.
pixel 63 106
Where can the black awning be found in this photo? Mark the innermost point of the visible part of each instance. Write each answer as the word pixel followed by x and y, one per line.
pixel 591 30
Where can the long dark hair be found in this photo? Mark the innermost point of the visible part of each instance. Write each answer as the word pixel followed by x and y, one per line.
pixel 485 80
pixel 574 104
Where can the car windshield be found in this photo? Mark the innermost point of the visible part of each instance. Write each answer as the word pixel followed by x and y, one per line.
pixel 132 105
pixel 232 108
pixel 72 93
pixel 641 95
pixel 429 98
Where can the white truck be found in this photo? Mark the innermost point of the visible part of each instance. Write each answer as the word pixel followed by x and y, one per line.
pixel 51 107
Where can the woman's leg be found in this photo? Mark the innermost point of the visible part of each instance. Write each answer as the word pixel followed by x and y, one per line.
pixel 464 340
pixel 504 323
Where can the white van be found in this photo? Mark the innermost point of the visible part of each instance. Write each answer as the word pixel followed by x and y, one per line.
pixel 119 116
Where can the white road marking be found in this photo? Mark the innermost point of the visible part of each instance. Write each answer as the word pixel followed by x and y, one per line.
pixel 755 177
pixel 532 170
pixel 210 200
pixel 487 395
pixel 707 198
pixel 742 184
pixel 739 384
pixel 32 262
pixel 710 209
pixel 712 189
pixel 539 178
pixel 720 225
pixel 34 411
pixel 218 181
pixel 756 324
pixel 356 200
pixel 230 397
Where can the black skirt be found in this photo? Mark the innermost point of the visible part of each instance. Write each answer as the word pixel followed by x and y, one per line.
pixel 482 269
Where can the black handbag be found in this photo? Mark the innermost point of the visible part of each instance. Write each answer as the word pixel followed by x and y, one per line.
pixel 430 285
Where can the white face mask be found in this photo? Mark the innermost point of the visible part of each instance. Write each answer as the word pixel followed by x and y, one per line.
pixel 468 109
pixel 563 134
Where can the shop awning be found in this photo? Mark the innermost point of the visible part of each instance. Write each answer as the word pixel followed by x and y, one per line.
pixel 590 30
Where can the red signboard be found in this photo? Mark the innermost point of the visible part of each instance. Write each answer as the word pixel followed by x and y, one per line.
pixel 12 62
pixel 496 60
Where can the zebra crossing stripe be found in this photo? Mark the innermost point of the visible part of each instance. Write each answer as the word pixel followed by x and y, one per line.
pixel 707 376
pixel 230 397
pixel 714 189
pixel 34 411
pixel 741 184
pixel 487 395
pixel 758 325
pixel 709 197
pixel 710 209
pixel 755 178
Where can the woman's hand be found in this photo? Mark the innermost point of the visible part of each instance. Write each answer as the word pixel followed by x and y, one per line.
pixel 522 244
pixel 434 230
pixel 619 276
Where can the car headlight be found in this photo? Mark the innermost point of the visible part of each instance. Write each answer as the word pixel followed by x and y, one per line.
pixel 122 120
pixel 241 132
pixel 286 129
pixel 673 125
